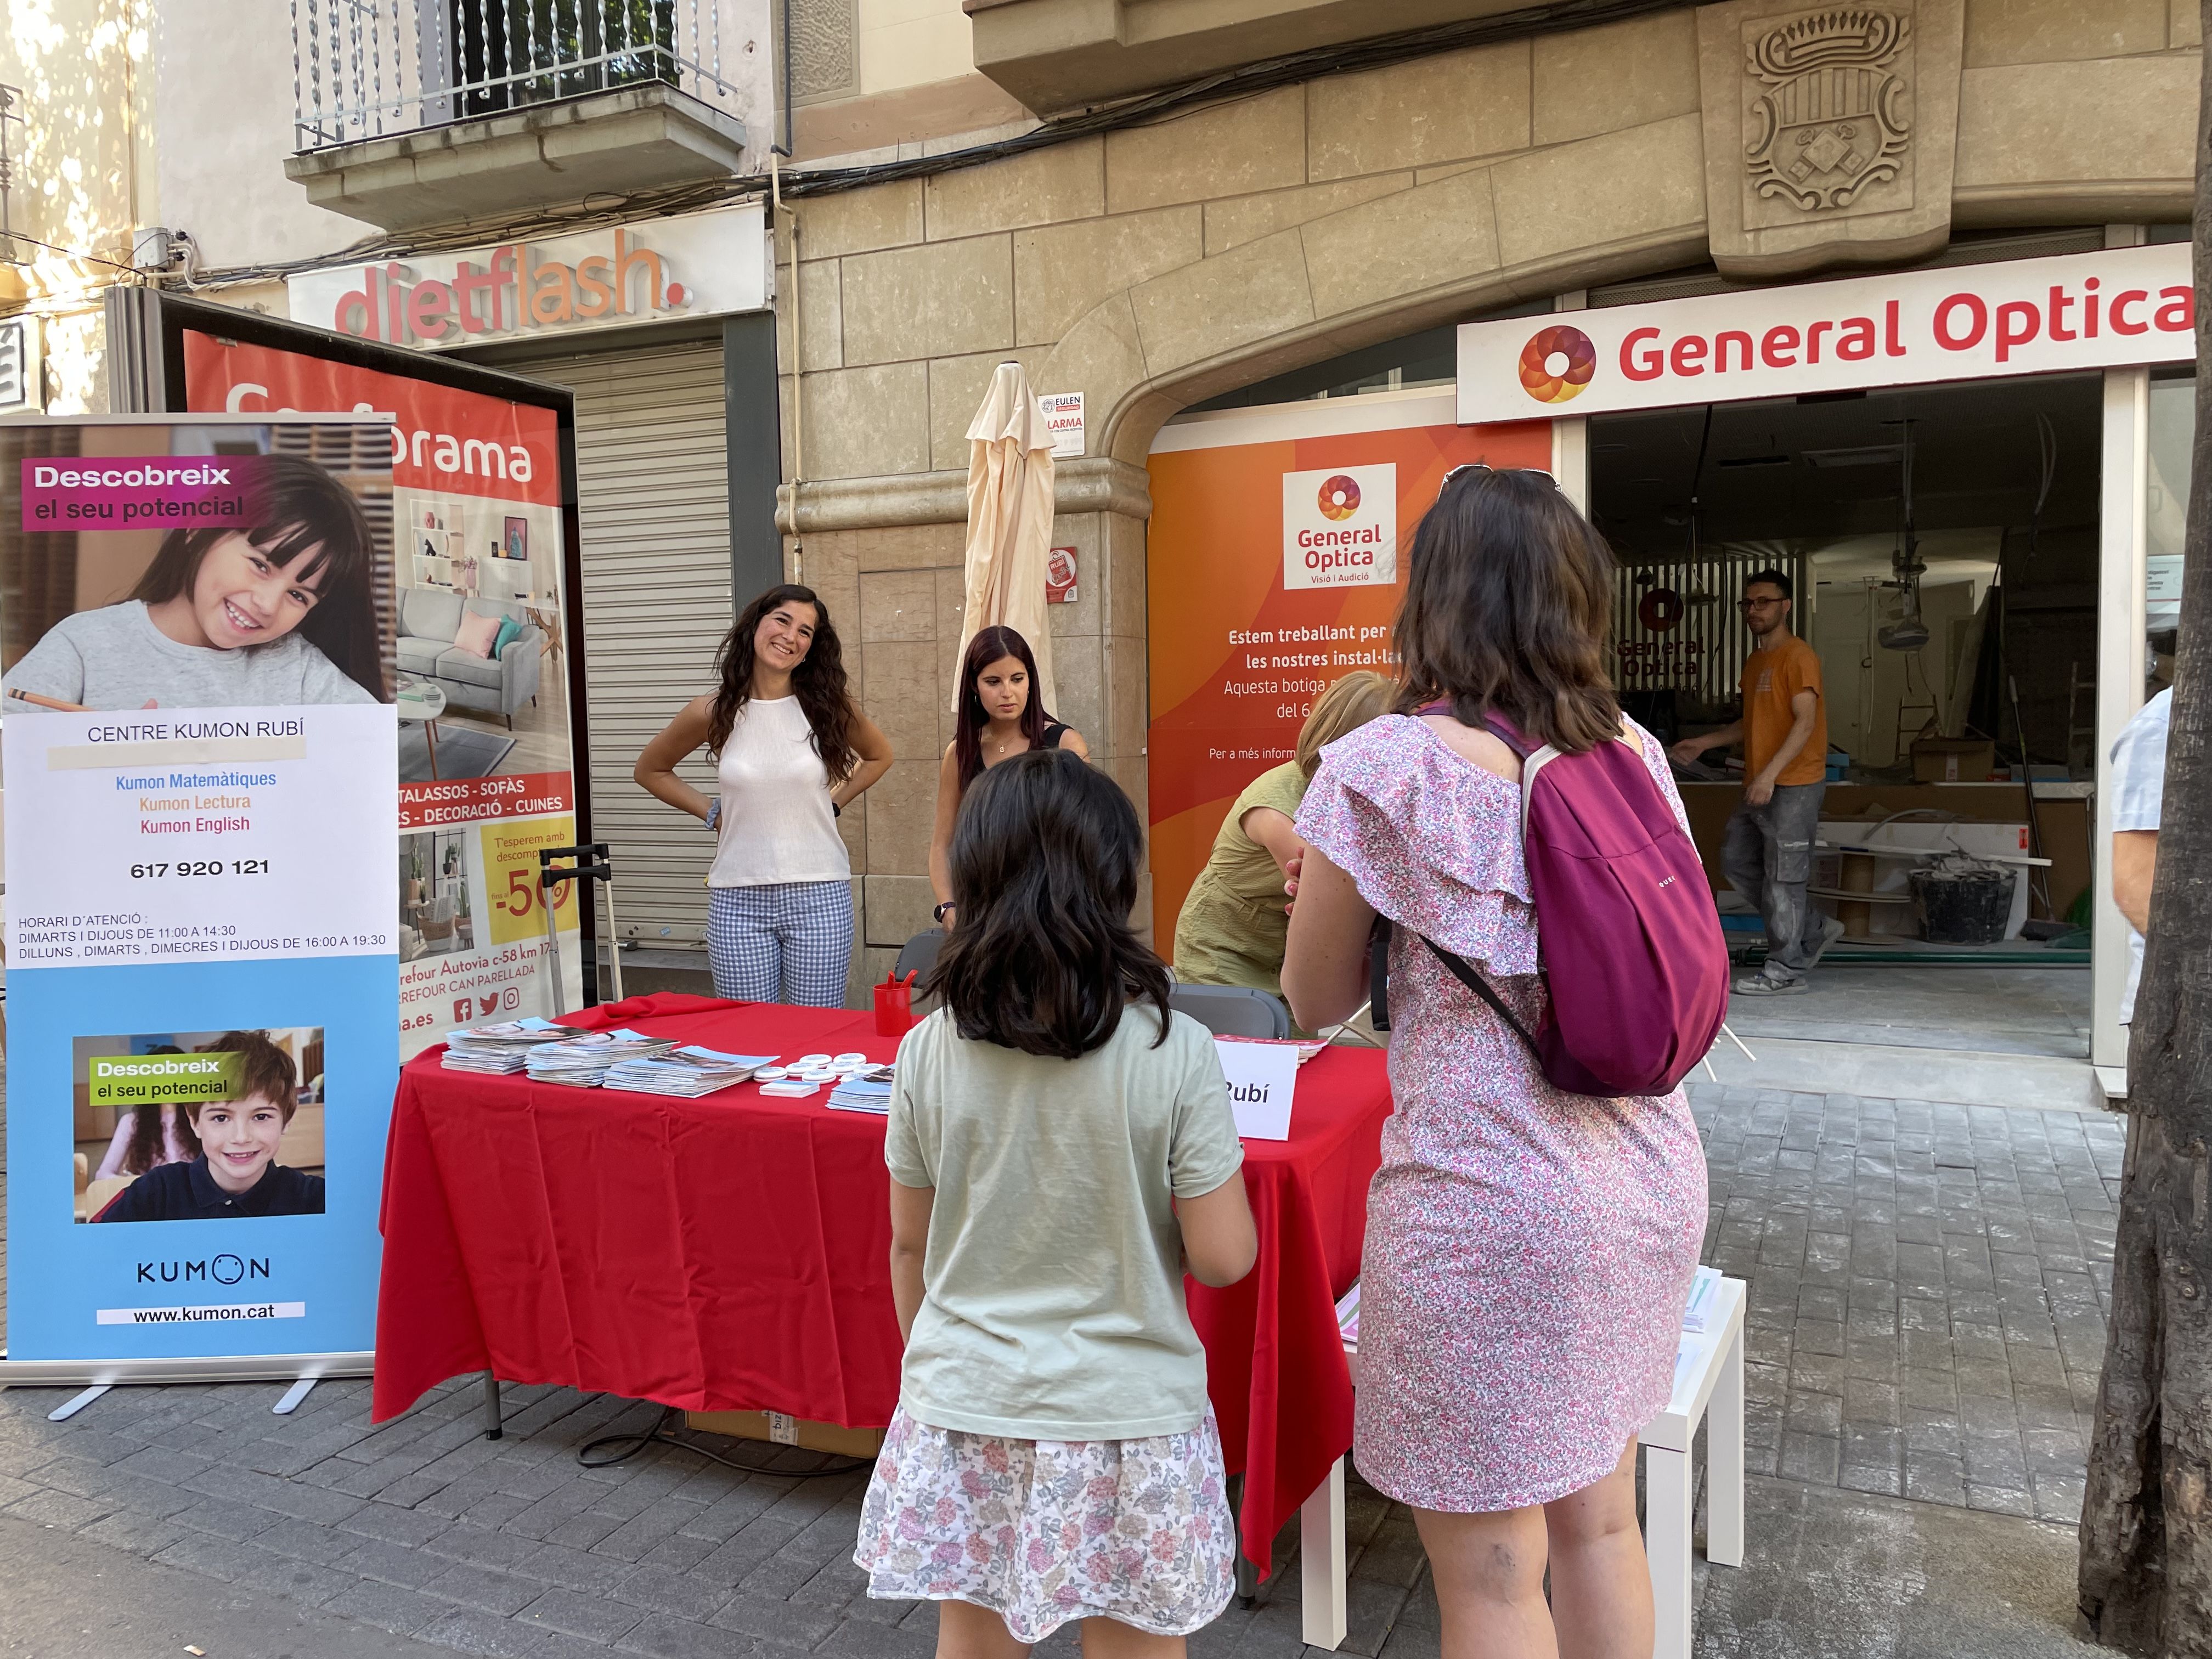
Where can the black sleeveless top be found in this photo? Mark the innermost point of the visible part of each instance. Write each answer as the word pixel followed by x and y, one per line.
pixel 1053 734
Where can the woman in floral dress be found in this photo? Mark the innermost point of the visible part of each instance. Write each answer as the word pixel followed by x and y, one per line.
pixel 1529 1251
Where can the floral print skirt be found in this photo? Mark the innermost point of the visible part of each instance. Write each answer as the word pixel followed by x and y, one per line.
pixel 1044 1531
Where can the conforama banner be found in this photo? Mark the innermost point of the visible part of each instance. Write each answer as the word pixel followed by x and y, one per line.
pixel 1276 563
pixel 200 739
pixel 477 610
pixel 2078 311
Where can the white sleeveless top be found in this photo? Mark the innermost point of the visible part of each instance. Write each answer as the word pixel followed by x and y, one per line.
pixel 776 825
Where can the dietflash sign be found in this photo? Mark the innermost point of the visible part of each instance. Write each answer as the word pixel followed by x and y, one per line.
pixel 1340 527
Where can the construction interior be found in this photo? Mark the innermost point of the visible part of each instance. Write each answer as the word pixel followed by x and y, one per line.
pixel 1942 544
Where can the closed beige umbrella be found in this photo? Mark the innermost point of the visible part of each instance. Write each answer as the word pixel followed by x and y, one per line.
pixel 1009 521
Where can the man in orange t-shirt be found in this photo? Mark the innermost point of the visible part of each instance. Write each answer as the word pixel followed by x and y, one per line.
pixel 1768 850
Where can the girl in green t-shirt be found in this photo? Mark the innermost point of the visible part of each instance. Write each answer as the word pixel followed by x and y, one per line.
pixel 1061 1149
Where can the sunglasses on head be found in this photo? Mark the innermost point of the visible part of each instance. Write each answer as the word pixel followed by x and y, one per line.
pixel 1484 466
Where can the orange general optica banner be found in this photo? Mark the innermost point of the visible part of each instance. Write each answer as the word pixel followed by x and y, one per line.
pixel 1237 655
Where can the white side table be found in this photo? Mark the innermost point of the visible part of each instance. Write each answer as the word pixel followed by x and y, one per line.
pixel 1708 1385
pixel 421 701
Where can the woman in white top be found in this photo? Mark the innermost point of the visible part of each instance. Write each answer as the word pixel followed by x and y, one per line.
pixel 792 749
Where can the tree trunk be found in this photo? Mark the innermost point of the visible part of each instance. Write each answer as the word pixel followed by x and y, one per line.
pixel 2146 1572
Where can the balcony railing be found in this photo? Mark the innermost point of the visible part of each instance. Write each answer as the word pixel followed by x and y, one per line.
pixel 370 68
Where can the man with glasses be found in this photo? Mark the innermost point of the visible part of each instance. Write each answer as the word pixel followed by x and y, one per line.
pixel 1768 851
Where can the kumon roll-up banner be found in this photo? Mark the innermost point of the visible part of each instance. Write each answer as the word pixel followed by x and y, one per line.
pixel 199 736
pixel 1277 563
pixel 479 622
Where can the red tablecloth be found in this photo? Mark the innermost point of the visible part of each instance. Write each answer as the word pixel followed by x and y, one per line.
pixel 731 1253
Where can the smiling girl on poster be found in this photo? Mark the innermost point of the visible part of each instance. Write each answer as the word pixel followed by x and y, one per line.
pixel 277 615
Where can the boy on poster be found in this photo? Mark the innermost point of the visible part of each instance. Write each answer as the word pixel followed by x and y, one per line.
pixel 238 1128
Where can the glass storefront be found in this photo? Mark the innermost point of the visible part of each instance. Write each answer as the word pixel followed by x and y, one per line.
pixel 2173 433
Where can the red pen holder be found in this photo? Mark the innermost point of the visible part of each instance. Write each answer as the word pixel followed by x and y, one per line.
pixel 895 1006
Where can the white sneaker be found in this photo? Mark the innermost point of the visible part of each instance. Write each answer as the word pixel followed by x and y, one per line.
pixel 1831 931
pixel 1760 985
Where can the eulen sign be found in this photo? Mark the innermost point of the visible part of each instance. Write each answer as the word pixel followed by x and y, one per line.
pixel 700 264
pixel 2078 311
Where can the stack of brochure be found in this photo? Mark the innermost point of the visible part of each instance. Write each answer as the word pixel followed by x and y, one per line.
pixel 503 1048
pixel 1704 1290
pixel 689 1072
pixel 865 1091
pixel 583 1062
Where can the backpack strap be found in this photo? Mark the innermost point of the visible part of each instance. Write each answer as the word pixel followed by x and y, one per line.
pixel 1379 974
pixel 1492 722
pixel 1508 733
pixel 1464 972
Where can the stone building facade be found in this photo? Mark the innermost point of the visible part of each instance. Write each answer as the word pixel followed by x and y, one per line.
pixel 1157 265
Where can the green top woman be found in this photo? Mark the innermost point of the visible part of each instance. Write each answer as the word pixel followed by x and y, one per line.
pixel 1233 922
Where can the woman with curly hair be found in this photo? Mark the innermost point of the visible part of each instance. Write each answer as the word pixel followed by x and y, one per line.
pixel 792 749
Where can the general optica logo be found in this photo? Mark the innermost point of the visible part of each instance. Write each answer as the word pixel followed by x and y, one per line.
pixel 1556 363
pixel 1341 526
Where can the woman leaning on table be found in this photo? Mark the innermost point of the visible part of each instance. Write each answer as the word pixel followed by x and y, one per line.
pixel 1232 925
pixel 1529 1251
pixel 792 749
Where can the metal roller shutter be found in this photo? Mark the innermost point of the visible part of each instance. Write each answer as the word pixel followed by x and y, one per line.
pixel 653 475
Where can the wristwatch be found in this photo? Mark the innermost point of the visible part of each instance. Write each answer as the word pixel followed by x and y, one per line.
pixel 938 914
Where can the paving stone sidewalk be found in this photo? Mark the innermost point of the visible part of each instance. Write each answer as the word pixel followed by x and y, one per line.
pixel 1927 1284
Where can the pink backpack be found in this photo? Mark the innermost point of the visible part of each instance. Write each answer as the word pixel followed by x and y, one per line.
pixel 1631 948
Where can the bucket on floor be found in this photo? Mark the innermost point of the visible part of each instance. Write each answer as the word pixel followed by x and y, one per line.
pixel 1964 904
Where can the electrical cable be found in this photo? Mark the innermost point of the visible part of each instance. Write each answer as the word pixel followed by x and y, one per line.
pixel 74 253
pixel 663 1433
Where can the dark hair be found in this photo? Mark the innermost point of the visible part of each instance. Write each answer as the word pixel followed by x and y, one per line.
pixel 818 682
pixel 990 645
pixel 1508 601
pixel 309 518
pixel 148 1148
pixel 1045 857
pixel 1773 578
pixel 264 1069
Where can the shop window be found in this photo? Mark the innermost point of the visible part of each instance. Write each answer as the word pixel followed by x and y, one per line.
pixel 1429 358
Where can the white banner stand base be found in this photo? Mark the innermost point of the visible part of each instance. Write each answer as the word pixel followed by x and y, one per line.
pixel 71 1406
pixel 301 1371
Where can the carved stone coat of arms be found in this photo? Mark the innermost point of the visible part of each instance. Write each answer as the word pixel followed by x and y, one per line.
pixel 1835 115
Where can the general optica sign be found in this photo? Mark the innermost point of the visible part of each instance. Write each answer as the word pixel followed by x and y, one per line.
pixel 1275 556
pixel 2079 310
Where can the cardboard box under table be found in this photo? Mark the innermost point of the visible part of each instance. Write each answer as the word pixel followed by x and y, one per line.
pixel 781 1430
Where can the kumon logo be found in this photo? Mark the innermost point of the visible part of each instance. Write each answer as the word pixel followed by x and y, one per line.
pixel 1556 363
pixel 1340 527
pixel 225 1269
